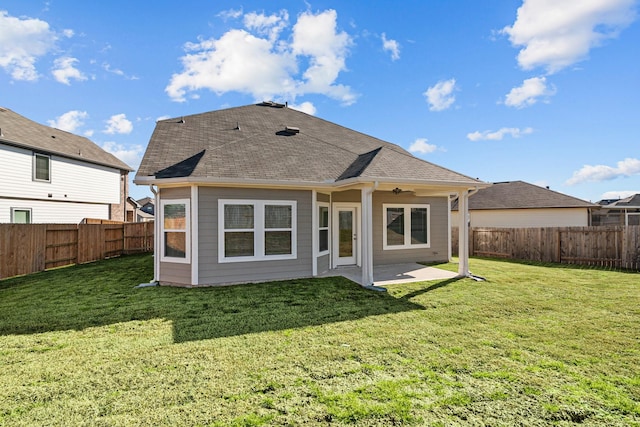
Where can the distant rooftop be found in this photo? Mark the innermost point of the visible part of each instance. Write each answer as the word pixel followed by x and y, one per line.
pixel 19 131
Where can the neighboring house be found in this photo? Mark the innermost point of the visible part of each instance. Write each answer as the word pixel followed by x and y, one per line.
pixel 264 192
pixel 147 205
pixel 52 176
pixel 517 204
pixel 618 211
pixel 135 211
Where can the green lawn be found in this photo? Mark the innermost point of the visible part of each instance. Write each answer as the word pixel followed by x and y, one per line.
pixel 533 345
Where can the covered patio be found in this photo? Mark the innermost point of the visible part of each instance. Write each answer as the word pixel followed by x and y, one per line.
pixel 393 273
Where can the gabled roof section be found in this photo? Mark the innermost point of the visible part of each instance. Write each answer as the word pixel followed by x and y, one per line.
pixel 21 132
pixel 356 168
pixel 521 195
pixel 271 142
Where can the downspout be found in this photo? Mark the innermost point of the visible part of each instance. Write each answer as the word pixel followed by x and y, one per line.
pixel 156 243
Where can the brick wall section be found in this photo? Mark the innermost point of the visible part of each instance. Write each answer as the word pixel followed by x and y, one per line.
pixel 117 212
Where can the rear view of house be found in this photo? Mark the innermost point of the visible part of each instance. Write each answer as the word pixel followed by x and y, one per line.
pixel 265 192
pixel 52 176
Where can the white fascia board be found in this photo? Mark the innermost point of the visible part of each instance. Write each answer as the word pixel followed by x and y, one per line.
pixel 443 186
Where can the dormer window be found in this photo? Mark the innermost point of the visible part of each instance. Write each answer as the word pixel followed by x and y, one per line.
pixel 41 167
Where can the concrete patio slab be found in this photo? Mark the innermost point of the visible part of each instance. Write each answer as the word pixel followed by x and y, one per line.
pixel 393 273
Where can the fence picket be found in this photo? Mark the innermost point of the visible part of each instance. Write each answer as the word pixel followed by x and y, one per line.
pixel 29 248
pixel 605 246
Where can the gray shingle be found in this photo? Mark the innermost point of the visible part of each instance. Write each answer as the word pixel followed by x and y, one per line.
pixel 521 195
pixel 251 142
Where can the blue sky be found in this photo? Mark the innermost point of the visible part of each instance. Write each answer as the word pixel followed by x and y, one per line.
pixel 537 90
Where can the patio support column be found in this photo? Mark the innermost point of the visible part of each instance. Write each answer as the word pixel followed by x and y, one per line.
pixel 366 238
pixel 463 234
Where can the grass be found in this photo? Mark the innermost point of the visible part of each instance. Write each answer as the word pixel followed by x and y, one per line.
pixel 533 345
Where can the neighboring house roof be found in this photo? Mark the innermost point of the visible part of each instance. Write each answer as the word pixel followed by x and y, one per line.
pixel 631 202
pixel 146 200
pixel 270 142
pixel 21 132
pixel 521 195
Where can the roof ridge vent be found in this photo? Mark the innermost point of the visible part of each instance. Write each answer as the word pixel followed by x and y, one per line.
pixel 291 129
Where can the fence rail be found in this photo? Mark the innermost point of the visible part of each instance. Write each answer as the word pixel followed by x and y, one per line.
pixel 611 246
pixel 29 248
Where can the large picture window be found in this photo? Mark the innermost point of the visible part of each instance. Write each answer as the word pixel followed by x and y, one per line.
pixel 41 167
pixel 175 231
pixel 406 226
pixel 256 230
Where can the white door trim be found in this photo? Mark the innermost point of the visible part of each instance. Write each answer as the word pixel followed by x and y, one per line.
pixel 336 207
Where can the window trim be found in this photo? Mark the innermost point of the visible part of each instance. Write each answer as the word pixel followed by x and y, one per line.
pixel 328 228
pixel 259 230
pixel 407 226
pixel 186 230
pixel 13 210
pixel 34 176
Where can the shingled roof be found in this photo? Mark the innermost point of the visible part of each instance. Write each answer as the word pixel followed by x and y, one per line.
pixel 271 142
pixel 18 131
pixel 521 195
pixel 628 202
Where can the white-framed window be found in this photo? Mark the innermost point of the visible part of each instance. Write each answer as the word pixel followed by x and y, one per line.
pixel 406 226
pixel 633 218
pixel 21 215
pixel 323 228
pixel 41 167
pixel 175 234
pixel 256 230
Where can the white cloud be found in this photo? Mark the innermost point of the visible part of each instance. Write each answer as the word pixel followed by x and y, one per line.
pixel 69 121
pixel 118 124
pixel 499 134
pixel 270 26
pixel 528 94
pixel 440 95
pixel 131 155
pixel 588 173
pixel 391 46
pixel 165 117
pixel 230 14
pixel 556 34
pixel 68 33
pixel 305 107
pixel 64 70
pixel 118 72
pixel 316 37
pixel 22 42
pixel 623 194
pixel 259 61
pixel 421 146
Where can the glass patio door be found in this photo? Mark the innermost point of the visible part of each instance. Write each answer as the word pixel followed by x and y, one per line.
pixel 347 236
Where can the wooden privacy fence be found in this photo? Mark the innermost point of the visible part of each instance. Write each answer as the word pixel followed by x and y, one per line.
pixel 611 246
pixel 29 248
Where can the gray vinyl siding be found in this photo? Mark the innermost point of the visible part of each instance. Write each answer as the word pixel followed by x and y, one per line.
pixel 172 272
pixel 354 196
pixel 439 228
pixel 175 193
pixel 321 197
pixel 213 273
pixel 323 263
